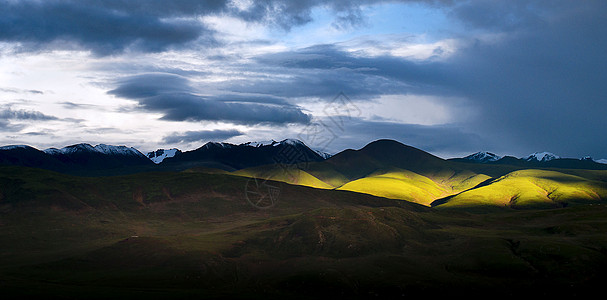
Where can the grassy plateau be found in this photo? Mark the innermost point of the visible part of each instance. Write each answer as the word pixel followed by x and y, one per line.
pixel 379 232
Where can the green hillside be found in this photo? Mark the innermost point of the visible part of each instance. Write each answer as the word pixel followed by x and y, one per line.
pixel 281 173
pixel 392 170
pixel 532 188
pixel 398 184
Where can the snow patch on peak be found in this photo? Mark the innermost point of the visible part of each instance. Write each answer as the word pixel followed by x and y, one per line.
pixel 161 154
pixel 101 148
pixel 483 157
pixel 71 149
pixel 53 151
pixel 587 157
pixel 541 156
pixel 602 161
pixel 324 155
pixel 292 142
pixel 116 150
pixel 260 144
pixel 217 144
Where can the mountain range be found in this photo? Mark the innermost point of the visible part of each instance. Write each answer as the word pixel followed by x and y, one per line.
pixel 384 168
pixel 107 159
pixel 85 159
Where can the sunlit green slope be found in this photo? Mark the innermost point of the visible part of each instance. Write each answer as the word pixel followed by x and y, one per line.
pixel 532 188
pixel 392 170
pixel 401 184
pixel 280 173
pixel 410 186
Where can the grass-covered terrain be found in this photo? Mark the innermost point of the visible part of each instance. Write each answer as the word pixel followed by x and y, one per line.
pixel 194 235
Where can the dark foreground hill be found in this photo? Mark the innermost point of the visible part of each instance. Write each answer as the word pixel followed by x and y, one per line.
pixel 184 235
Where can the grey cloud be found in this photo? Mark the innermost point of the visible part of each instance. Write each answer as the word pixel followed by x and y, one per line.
pixel 151 84
pixel 438 139
pixel 38 133
pixel 183 107
pixel 20 91
pixel 363 75
pixel 10 114
pixel 538 87
pixel 162 8
pixel 351 18
pixel 202 135
pixel 111 27
pixel 174 96
pixel 72 105
pixel 542 88
pixel 288 14
pixel 39 24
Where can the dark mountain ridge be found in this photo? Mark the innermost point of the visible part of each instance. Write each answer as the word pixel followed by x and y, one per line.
pixel 232 157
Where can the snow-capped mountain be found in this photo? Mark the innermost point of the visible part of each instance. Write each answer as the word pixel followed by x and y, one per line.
pixel 101 148
pixel 233 157
pixel 87 158
pixel 602 161
pixel 541 156
pixel 483 157
pixel 260 144
pixel 292 142
pixel 80 159
pixel 159 155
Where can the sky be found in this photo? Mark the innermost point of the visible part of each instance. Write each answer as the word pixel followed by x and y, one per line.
pixel 449 77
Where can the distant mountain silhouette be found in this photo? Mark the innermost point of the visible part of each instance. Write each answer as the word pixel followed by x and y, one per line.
pixel 79 159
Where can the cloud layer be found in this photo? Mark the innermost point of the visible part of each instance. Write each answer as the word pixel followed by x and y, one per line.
pixel 513 77
pixel 201 136
pixel 175 97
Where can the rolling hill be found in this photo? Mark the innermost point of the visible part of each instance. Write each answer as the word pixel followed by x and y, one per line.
pixel 532 188
pixel 393 170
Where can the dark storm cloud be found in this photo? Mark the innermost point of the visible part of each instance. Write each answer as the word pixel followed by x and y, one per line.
pixel 110 27
pixel 436 139
pixel 537 80
pixel 202 135
pixel 175 97
pixel 37 25
pixel 356 75
pixel 153 84
pixel 543 85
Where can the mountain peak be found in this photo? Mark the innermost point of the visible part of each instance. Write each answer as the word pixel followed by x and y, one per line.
pixel 541 156
pixel 292 142
pixel 260 144
pixel 101 148
pixel 113 150
pixel 483 156
pixel 82 147
pixel 217 145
